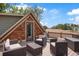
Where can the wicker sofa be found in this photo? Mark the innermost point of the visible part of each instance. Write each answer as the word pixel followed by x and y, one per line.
pixel 15 52
pixel 14 49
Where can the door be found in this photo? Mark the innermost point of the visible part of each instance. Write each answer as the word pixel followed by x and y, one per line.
pixel 29 31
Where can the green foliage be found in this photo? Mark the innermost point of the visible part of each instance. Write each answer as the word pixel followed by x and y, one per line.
pixel 37 11
pixel 3 7
pixel 13 9
pixel 7 8
pixel 21 11
pixel 45 27
pixel 66 26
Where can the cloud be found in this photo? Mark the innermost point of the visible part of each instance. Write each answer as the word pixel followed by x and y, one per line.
pixel 75 19
pixel 71 19
pixel 39 7
pixel 74 12
pixel 54 11
pixel 43 23
pixel 42 8
pixel 24 6
pixel 50 16
pixel 75 15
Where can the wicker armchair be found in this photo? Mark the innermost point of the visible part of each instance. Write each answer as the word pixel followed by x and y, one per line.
pixel 41 40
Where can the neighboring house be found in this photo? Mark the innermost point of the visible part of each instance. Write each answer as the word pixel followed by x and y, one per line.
pixel 76 29
pixel 19 27
pixel 62 33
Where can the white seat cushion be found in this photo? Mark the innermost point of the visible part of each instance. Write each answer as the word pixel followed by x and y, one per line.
pixel 7 44
pixel 39 39
pixel 14 46
pixel 53 44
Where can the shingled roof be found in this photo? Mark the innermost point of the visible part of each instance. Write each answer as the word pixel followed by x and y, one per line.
pixel 7 20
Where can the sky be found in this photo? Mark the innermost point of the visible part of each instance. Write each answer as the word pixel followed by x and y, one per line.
pixel 56 13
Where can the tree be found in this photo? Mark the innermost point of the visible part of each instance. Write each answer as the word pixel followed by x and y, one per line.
pixel 21 11
pixel 27 10
pixel 67 27
pixel 63 27
pixel 38 11
pixel 14 9
pixel 75 27
pixel 59 26
pixel 3 7
pixel 8 8
pixel 45 27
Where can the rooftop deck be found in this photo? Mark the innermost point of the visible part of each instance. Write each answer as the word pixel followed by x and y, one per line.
pixel 46 51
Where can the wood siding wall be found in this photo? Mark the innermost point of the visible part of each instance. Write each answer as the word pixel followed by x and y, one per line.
pixel 19 33
pixel 38 30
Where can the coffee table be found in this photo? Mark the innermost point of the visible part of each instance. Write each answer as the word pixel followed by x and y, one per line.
pixel 34 48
